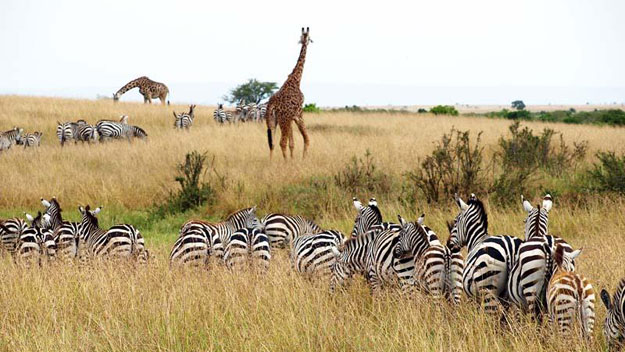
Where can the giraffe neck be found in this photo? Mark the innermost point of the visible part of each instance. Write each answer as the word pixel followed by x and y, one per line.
pixel 296 76
pixel 132 84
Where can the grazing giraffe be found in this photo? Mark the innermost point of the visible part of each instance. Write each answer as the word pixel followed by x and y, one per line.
pixel 286 105
pixel 147 87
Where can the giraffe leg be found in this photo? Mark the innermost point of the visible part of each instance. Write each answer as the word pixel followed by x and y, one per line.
pixel 291 142
pixel 302 130
pixel 284 134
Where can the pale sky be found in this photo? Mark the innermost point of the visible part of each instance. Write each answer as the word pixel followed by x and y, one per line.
pixel 364 52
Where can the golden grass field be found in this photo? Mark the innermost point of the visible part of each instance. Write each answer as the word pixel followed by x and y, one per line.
pixel 122 309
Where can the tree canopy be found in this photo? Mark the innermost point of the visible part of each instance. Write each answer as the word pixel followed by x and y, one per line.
pixel 251 91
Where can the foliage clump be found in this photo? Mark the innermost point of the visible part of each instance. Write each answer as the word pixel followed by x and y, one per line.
pixel 252 91
pixel 361 175
pixel 444 110
pixel 608 175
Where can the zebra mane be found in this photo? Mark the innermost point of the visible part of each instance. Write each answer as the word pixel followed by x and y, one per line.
pixel 92 219
pixel 234 213
pixel 537 221
pixel 377 212
pixel 481 211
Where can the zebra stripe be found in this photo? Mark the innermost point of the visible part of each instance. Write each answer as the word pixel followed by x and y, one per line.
pixel 537 218
pixel 570 296
pixel 31 139
pixel 367 217
pixel 283 229
pixel 184 120
pixel 107 129
pixel 66 241
pixel 614 327
pixel 490 258
pixel 29 248
pixel 53 210
pixel 119 241
pixel 241 219
pixel 196 244
pixel 352 258
pixel 316 254
pixel 251 246
pixel 86 133
pixel 221 116
pixel 66 131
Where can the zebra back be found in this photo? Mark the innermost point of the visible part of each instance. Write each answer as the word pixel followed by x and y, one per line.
pixel 195 245
pixel 614 326
pixel 10 232
pixel 537 218
pixel 283 229
pixel 315 254
pixel 248 245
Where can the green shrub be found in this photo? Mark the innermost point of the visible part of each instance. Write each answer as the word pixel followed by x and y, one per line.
pixel 444 110
pixel 362 176
pixel 454 166
pixel 422 111
pixel 311 108
pixel 518 115
pixel 609 174
pixel 193 192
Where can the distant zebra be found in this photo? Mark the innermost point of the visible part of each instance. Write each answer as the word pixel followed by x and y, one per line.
pixel 530 273
pixel 32 139
pixel 220 115
pixel 10 137
pixel 614 327
pixel 570 296
pixel 438 271
pixel 283 229
pixel 367 217
pixel 316 254
pixel 249 245
pixel 489 259
pixel 119 241
pixel 184 120
pixel 110 129
pixel 30 247
pixel 67 131
pixel 262 111
pixel 87 133
pixel 65 233
pixel 10 232
pixel 196 243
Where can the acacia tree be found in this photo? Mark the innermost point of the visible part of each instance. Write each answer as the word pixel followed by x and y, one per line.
pixel 518 104
pixel 251 91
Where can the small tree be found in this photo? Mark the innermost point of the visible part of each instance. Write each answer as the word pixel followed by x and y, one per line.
pixel 444 110
pixel 518 104
pixel 252 91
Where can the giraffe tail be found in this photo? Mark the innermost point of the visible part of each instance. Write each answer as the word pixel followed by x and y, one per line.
pixel 269 139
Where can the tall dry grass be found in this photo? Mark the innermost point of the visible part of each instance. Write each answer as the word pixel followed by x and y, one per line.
pixel 122 309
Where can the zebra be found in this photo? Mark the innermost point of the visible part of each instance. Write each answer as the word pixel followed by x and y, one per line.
pixel 262 111
pixel 196 244
pixel 438 271
pixel 367 217
pixel 10 137
pixel 316 254
pixel 10 232
pixel 352 258
pixel 66 131
pixel 30 247
pixel 110 129
pixel 184 120
pixel 220 115
pixel 86 133
pixel 614 327
pixel 283 229
pixel 119 241
pixel 489 258
pixel 570 296
pixel 31 139
pixel 241 219
pixel 65 233
pixel 530 274
pixel 248 244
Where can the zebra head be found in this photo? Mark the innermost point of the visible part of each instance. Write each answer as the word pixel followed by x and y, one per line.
pixel 305 38
pixel 470 225
pixel 412 237
pixel 53 210
pixel 366 218
pixel 565 261
pixel 245 218
pixel 537 218
pixel 614 327
pixel 89 220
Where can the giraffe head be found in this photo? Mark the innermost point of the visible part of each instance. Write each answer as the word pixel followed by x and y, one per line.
pixel 305 38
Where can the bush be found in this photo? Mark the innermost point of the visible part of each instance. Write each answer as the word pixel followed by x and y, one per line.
pixel 193 192
pixel 444 110
pixel 422 111
pixel 454 166
pixel 362 176
pixel 311 108
pixel 609 174
pixel 518 115
pixel 518 105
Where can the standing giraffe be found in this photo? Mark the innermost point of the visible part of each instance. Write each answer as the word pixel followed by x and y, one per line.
pixel 286 105
pixel 147 87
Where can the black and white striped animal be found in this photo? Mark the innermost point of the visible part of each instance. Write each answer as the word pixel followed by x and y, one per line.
pixel 119 241
pixel 248 246
pixel 283 229
pixel 367 217
pixel 65 233
pixel 107 129
pixel 185 119
pixel 86 133
pixel 10 137
pixel 614 326
pixel 489 259
pixel 220 115
pixel 315 255
pixel 10 232
pixel 66 131
pixel 196 244
pixel 570 296
pixel 31 139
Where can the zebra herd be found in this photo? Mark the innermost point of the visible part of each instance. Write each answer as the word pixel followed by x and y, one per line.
pixel 535 275
pixel 103 130
pixel 16 136
pixel 243 113
pixel 47 238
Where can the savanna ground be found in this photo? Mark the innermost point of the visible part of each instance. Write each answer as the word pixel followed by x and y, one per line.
pixel 154 308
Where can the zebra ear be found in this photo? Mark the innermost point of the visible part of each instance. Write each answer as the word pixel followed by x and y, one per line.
pixel 97 210
pixel 29 217
pixel 420 219
pixel 357 203
pixel 45 203
pixel 605 297
pixel 526 205
pixel 547 202
pixel 176 116
pixel 253 210
pixel 401 221
pixel 81 209
pixel 460 202
pixel 575 254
